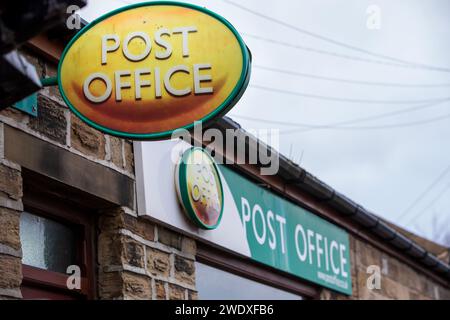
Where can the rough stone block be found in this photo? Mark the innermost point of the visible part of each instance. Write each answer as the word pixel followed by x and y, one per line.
pixel 160 290
pixel 116 151
pixel 192 295
pixel 109 249
pixel 129 156
pixel 10 272
pixel 169 238
pixel 184 270
pixel 9 228
pixel 11 182
pixel 110 285
pixel 158 262
pixel 133 252
pixel 176 292
pixel 188 246
pixel 136 287
pixel 16 115
pixel 86 139
pixel 51 121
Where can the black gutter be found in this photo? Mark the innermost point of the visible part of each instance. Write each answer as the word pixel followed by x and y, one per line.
pixel 295 175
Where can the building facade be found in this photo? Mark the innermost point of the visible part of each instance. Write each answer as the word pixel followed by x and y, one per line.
pixel 68 197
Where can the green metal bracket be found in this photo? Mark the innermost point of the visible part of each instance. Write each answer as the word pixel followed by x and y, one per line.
pixel 28 105
pixel 50 81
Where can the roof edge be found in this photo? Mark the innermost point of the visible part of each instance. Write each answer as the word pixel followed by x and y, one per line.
pixel 294 174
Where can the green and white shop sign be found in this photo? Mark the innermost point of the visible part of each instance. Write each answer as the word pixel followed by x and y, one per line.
pixel 255 222
pixel 290 238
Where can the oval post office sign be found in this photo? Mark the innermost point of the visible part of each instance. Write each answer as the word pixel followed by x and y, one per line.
pixel 145 70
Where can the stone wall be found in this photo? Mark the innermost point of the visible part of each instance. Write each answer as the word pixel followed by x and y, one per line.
pixel 143 260
pixel 398 280
pixel 10 208
pixel 136 259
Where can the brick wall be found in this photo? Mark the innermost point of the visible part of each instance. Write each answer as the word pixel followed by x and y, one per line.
pixel 143 260
pixel 136 259
pixel 10 208
pixel 398 280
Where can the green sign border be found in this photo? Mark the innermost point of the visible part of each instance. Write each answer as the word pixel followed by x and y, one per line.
pixel 183 192
pixel 229 102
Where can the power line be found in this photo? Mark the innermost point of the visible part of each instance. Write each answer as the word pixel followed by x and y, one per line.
pixel 424 193
pixel 329 53
pixel 338 125
pixel 400 63
pixel 368 83
pixel 352 121
pixel 330 40
pixel 379 127
pixel 439 196
pixel 339 99
pixel 388 126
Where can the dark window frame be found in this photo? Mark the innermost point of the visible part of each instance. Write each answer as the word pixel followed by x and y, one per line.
pixel 81 220
pixel 247 268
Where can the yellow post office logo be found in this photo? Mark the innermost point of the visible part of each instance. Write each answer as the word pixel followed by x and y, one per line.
pixel 145 70
pixel 199 188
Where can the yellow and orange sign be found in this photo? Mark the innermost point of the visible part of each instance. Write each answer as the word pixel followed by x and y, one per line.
pixel 145 70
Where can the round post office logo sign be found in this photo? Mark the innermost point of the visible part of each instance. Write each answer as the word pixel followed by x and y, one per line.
pixel 199 188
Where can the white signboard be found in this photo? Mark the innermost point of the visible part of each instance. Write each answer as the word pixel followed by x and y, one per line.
pixel 255 222
pixel 157 196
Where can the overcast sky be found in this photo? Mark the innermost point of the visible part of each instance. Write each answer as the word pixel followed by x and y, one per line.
pixel 384 169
